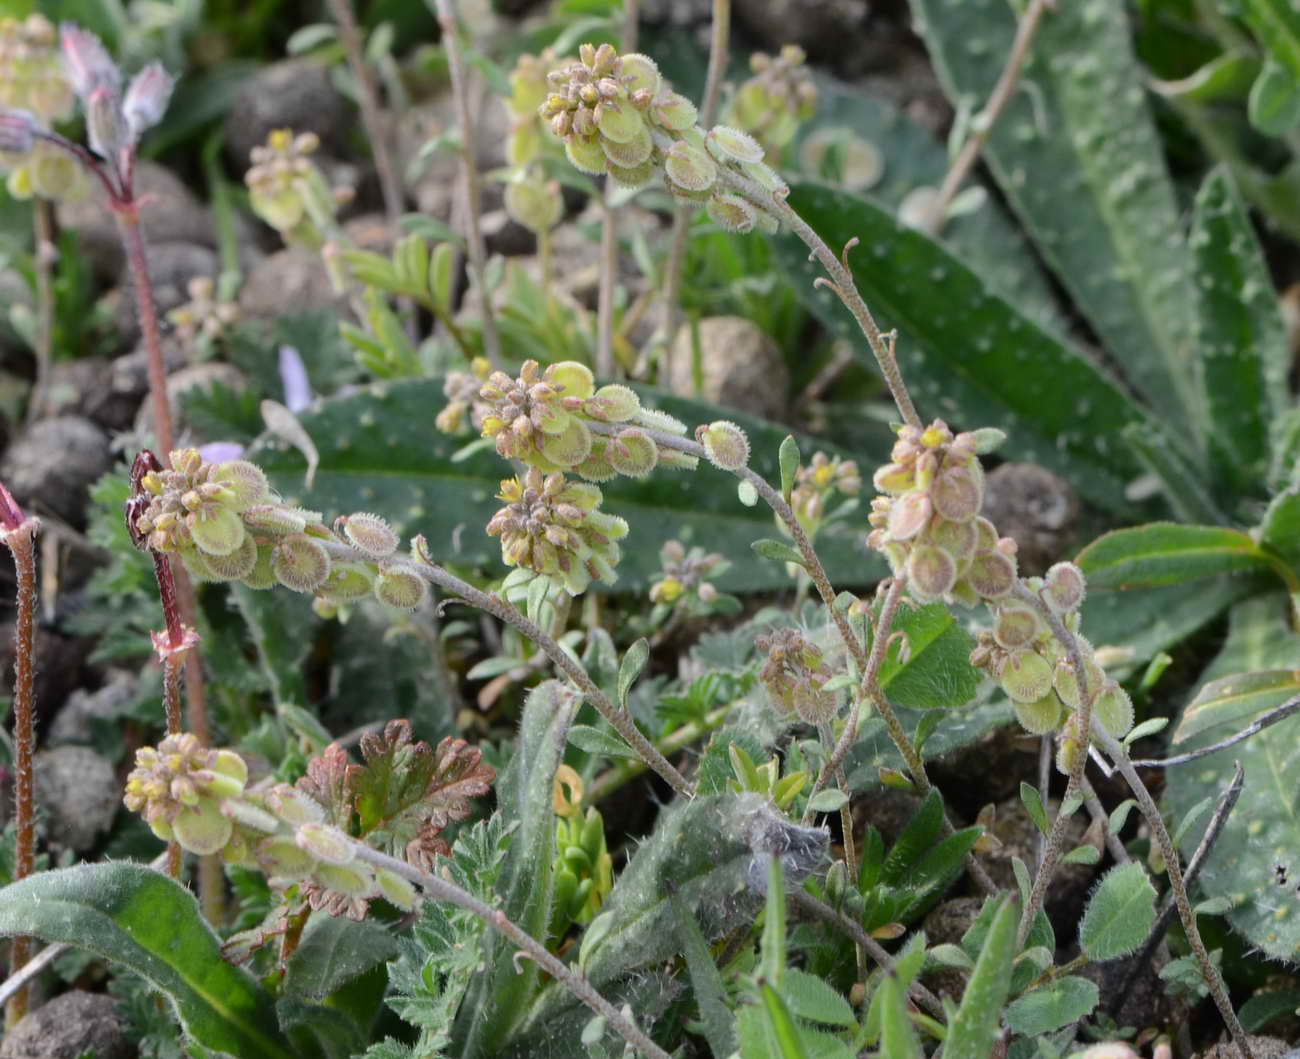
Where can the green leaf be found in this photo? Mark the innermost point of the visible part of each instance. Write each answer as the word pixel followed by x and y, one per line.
pixel 1078 156
pixel 1119 915
pixel 371 459
pixel 319 1030
pixel 524 795
pixel 1033 803
pixel 938 672
pixel 1237 700
pixel 1277 24
pixel 974 1027
pixel 1165 553
pixel 1240 338
pixel 781 1028
pixel 148 923
pixel 788 457
pixel 778 550
pixel 630 668
pixel 1224 79
pixel 333 951
pixel 599 741
pixel 897 1038
pixel 1274 105
pixel 1082 855
pixel 829 800
pixel 1280 529
pixel 917 836
pixel 987 362
pixel 812 998
pixel 771 966
pixel 707 984
pixel 1052 1006
pixel 1263 1007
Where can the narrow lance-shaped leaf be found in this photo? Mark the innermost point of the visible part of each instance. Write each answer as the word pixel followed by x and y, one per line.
pixel 974 1027
pixel 1165 553
pixel 148 923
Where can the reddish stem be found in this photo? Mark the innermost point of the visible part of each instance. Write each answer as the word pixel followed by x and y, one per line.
pixel 128 225
pixel 19 535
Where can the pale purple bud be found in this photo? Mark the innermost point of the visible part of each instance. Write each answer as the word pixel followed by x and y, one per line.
pixel 293 377
pixel 221 451
pixel 11 515
pixel 87 63
pixel 18 130
pixel 146 99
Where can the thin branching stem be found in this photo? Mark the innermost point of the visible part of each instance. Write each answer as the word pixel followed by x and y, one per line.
pixel 390 186
pixel 19 535
pixel 1099 815
pixel 1278 713
pixel 982 125
pixel 618 775
pixel 621 721
pixel 828 915
pixel 476 248
pixel 1227 801
pixel 1044 780
pixel 1214 980
pixel 441 889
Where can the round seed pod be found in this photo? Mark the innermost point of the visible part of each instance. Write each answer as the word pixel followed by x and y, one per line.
pixel 369 533
pixel 731 145
pixel 909 515
pixel 1064 587
pixel 279 857
pixel 640 73
pixel 957 494
pixel 216 530
pixel 675 113
pixel 1016 626
pixel 201 828
pixel 347 582
pixel 400 589
pixel 300 563
pixel 585 154
pixel 396 890
pixel 689 168
pixel 1069 746
pixel 630 153
pixel 931 572
pixel 237 564
pixel 569 448
pixel 991 574
pixel 619 120
pixel 731 213
pixel 1026 676
pixel 635 177
pixel 1114 709
pixel 724 444
pixel 956 538
pixel 633 453
pixel 1040 716
pixel 262 575
pixel 571 379
pixel 325 843
pixel 596 468
pixel 353 880
pixel 245 480
pixel 613 403
pixel 1066 681
pixel 537 206
pixel 986 534
pixel 274 518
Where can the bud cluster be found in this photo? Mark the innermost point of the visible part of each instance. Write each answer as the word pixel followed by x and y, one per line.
pixel 541 419
pixel 685 575
pixel 203 319
pixel 461 388
pixel 1036 672
pixel 288 190
pixel 616 116
pixel 224 522
pixel 795 675
pixel 36 93
pixel 928 524
pixel 553 527
pixel 816 483
pixel 179 788
pixel 584 869
pixel 772 104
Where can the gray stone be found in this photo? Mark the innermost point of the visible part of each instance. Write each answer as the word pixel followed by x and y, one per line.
pixel 169 213
pixel 108 392
pixel 60 660
pixel 288 281
pixel 740 366
pixel 1034 507
pixel 70 1026
pixel 826 29
pixel 52 464
pixel 74 723
pixel 79 793
pixel 296 94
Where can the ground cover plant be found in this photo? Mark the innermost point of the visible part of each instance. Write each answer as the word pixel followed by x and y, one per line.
pixel 583 529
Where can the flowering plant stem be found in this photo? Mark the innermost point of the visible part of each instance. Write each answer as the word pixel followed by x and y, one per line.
pixel 19 534
pixel 574 981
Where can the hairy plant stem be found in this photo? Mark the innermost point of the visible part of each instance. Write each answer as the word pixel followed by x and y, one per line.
pixel 1278 713
pixel 172 655
pixel 390 186
pixel 620 720
pixel 819 909
pixel 575 982
pixel 19 536
pixel 616 777
pixel 1054 846
pixel 719 37
pixel 1227 802
pixel 43 257
pixel 1213 980
pixel 476 248
pixel 1098 813
pixel 983 122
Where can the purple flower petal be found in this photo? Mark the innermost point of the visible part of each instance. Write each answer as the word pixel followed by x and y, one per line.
pixel 221 451
pixel 293 376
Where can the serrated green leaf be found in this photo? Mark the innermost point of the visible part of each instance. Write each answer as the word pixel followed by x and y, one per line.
pixel 1119 914
pixel 972 1030
pixel 979 355
pixel 1165 553
pixel 148 923
pixel 371 460
pixel 938 672
pixel 1052 1006
pixel 812 998
pixel 1111 233
pixel 1240 337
